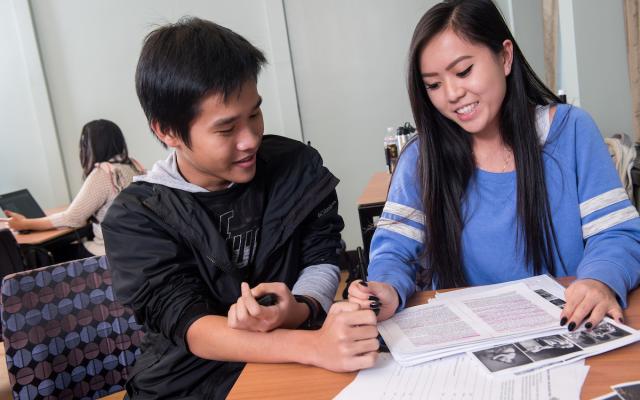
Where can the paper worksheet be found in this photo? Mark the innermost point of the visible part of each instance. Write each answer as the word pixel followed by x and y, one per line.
pixel 434 330
pixel 459 378
pixel 543 285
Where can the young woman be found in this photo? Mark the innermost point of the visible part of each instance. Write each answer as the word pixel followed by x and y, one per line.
pixel 107 169
pixel 502 182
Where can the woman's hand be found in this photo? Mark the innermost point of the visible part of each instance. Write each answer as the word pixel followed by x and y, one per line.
pixel 375 296
pixel 247 314
pixel 17 221
pixel 591 300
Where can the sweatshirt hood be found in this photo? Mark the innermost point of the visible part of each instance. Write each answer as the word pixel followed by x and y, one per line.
pixel 165 173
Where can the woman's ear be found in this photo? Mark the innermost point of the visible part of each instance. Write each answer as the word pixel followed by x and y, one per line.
pixel 166 136
pixel 507 56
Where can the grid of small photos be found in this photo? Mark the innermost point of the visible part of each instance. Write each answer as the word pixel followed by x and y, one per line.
pixel 521 353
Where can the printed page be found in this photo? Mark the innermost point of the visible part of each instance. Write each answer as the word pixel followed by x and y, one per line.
pixel 459 378
pixel 523 355
pixel 471 319
pixel 511 309
pixel 549 288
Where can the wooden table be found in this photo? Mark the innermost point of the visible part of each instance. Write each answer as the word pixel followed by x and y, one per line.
pixel 36 246
pixel 295 381
pixel 370 205
pixel 41 237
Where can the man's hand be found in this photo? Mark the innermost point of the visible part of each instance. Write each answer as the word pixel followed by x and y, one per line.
pixel 375 295
pixel 247 314
pixel 347 340
pixel 591 300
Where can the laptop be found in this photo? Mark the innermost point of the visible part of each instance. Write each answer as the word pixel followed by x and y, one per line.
pixel 22 202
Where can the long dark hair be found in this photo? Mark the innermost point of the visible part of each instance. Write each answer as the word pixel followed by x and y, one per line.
pixel 101 140
pixel 446 163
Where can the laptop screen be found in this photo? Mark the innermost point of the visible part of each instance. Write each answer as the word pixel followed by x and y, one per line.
pixel 21 202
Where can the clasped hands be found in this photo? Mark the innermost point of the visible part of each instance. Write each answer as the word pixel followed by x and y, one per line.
pixel 347 340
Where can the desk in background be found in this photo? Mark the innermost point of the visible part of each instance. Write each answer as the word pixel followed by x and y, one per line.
pixel 370 205
pixel 36 245
pixel 295 381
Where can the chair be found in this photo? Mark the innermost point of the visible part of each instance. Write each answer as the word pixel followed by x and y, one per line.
pixel 64 334
pixel 10 257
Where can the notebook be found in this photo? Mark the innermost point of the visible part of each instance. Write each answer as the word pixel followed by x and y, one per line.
pixel 22 202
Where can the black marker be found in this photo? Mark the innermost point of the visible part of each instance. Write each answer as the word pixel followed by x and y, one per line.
pixel 268 300
pixel 363 271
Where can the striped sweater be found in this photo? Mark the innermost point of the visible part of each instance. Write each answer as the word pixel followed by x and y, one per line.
pixel 598 229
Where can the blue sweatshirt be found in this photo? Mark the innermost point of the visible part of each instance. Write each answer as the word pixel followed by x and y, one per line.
pixel 597 228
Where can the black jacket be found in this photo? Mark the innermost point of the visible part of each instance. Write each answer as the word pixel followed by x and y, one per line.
pixel 170 264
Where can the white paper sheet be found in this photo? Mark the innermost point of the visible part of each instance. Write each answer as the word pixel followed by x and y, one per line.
pixel 460 378
pixel 458 324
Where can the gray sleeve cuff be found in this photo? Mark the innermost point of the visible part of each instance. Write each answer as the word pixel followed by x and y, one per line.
pixel 320 282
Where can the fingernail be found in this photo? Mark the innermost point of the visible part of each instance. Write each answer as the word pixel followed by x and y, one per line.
pixel 588 325
pixel 374 298
pixel 374 304
pixel 376 311
pixel 572 326
pixel 563 321
pixel 363 283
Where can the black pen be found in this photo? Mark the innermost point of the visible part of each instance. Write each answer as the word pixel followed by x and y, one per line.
pixel 363 271
pixel 363 275
pixel 382 346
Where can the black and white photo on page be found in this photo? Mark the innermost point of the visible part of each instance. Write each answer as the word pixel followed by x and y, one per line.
pixel 628 390
pixel 545 351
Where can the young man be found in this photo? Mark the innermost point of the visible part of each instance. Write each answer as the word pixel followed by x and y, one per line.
pixel 228 218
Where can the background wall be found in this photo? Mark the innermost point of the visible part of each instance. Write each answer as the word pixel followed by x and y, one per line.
pixel 29 152
pixel 601 65
pixel 336 76
pixel 350 73
pixel 90 50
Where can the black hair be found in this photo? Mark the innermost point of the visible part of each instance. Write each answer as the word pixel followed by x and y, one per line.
pixel 182 63
pixel 446 163
pixel 101 140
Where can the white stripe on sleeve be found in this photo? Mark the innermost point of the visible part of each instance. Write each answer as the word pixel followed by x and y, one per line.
pixel 401 229
pixel 603 200
pixel 404 211
pixel 608 221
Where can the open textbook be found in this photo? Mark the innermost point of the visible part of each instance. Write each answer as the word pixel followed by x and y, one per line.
pixel 462 323
pixel 505 328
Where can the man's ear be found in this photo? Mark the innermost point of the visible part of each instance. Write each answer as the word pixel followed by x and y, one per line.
pixel 166 136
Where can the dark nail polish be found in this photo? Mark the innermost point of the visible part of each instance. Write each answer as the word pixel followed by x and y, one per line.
pixel 588 325
pixel 376 311
pixel 563 321
pixel 572 326
pixel 363 283
pixel 374 298
pixel 374 304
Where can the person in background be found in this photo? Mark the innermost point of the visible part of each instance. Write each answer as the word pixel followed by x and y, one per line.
pixel 106 170
pixel 503 181
pixel 231 218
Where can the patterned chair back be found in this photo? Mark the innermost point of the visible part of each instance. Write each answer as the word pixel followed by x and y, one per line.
pixel 64 334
